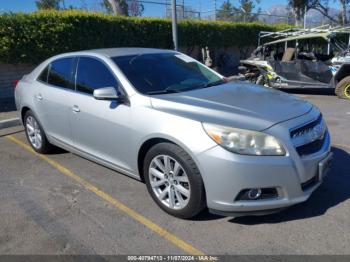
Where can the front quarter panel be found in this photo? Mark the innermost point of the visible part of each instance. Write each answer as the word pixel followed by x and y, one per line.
pixel 149 123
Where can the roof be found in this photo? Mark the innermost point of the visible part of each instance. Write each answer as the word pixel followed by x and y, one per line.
pixel 325 32
pixel 124 51
pixel 299 37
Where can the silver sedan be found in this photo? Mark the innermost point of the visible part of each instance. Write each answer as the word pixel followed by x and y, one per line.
pixel 196 140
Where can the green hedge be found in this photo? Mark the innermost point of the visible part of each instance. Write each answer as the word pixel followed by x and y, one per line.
pixel 33 37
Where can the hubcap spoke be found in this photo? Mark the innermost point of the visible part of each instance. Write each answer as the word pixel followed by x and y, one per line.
pixel 183 190
pixel 156 173
pixel 158 183
pixel 163 194
pixel 179 198
pixel 176 168
pixel 183 179
pixel 171 197
pixel 160 165
pixel 30 129
pixel 167 164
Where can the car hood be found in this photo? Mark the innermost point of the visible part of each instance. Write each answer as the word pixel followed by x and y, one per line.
pixel 235 104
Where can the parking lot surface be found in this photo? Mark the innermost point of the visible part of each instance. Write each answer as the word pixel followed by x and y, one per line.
pixel 64 204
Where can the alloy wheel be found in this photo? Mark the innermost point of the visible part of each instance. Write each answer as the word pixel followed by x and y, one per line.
pixel 169 182
pixel 33 132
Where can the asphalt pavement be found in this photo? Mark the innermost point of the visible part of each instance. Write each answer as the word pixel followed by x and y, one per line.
pixel 64 204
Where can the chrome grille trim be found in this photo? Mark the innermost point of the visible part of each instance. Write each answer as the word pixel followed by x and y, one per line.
pixel 309 132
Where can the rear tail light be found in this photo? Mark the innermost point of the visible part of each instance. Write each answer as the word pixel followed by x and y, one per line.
pixel 15 83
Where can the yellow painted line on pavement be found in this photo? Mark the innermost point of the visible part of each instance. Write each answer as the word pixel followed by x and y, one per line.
pixel 130 212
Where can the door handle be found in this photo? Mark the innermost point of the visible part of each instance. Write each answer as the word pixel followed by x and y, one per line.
pixel 76 109
pixel 39 97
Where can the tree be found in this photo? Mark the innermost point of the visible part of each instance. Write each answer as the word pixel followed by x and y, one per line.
pixel 247 7
pixel 106 6
pixel 344 4
pixel 243 12
pixel 119 7
pixel 322 7
pixel 48 4
pixel 226 11
pixel 135 8
pixel 300 6
pixel 123 7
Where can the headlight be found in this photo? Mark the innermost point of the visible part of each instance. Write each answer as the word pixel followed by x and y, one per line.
pixel 245 142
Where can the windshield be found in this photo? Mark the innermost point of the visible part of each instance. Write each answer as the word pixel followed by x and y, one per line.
pixel 162 73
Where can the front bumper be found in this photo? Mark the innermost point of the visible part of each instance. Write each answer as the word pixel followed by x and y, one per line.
pixel 226 174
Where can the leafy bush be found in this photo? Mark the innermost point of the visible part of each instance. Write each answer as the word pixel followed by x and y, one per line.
pixel 33 37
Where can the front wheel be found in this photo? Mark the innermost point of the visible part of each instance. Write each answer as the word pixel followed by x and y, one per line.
pixel 174 181
pixel 343 88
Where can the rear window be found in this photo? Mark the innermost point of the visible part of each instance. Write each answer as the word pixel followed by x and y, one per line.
pixel 43 75
pixel 61 73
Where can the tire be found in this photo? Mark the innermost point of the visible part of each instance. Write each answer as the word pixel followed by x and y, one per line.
pixel 342 89
pixel 30 122
pixel 189 206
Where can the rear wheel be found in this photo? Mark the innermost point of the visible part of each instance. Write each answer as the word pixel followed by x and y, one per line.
pixel 174 181
pixel 35 134
pixel 343 88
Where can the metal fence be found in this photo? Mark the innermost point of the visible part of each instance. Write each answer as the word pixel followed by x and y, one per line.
pixel 204 10
pixel 210 10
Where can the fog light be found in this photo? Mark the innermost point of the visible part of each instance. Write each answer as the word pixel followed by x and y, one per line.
pixel 254 193
pixel 257 194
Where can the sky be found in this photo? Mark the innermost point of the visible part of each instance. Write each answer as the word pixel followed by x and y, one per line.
pixel 150 9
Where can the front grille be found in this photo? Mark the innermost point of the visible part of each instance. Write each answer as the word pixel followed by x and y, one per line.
pixel 310 183
pixel 312 147
pixel 309 138
pixel 306 128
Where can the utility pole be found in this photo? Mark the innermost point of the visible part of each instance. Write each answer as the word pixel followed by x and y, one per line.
pixel 305 17
pixel 174 24
pixel 214 10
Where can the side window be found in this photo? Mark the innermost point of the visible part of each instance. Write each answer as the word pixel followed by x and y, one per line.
pixel 43 75
pixel 93 74
pixel 61 73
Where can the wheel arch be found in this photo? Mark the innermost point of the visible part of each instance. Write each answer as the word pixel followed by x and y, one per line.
pixel 145 147
pixel 148 143
pixel 342 73
pixel 24 110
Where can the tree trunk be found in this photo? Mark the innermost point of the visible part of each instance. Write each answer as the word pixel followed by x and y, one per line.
pixel 343 14
pixel 298 15
pixel 119 7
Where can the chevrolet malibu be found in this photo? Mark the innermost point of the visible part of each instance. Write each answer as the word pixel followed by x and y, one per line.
pixel 195 139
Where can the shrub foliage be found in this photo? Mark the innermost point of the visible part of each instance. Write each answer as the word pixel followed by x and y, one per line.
pixel 30 38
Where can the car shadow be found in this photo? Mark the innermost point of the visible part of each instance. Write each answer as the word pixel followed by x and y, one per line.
pixel 309 91
pixel 57 151
pixel 333 191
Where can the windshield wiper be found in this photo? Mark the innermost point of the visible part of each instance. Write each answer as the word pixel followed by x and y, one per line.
pixel 215 83
pixel 170 89
pixel 164 91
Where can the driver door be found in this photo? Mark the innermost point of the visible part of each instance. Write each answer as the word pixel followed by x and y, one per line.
pixel 99 127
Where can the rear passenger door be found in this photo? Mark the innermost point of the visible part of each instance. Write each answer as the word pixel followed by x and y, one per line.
pixel 100 127
pixel 53 94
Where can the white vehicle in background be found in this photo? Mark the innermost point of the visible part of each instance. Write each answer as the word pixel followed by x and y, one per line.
pixel 302 58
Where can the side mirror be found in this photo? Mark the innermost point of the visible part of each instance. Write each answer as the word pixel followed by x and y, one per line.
pixel 108 93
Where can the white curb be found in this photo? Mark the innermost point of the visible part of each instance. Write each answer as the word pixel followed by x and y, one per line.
pixel 10 123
